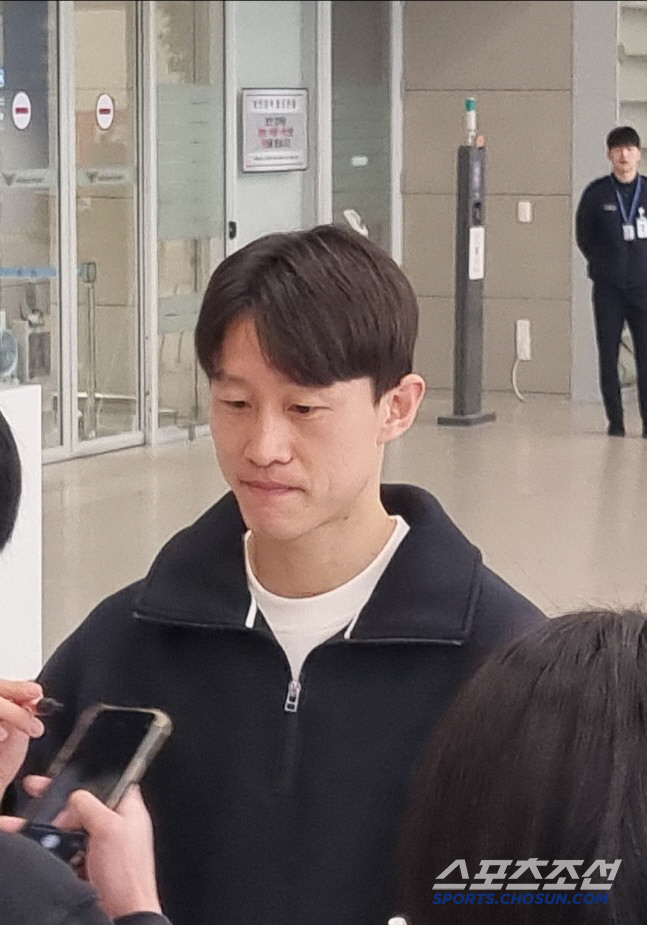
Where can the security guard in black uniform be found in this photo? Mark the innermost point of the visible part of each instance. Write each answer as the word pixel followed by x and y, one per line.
pixel 611 231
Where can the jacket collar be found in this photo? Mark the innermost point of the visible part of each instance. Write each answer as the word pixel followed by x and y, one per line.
pixel 427 591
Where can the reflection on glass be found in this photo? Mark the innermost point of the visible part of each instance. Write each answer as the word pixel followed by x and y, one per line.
pixel 29 303
pixel 106 152
pixel 361 117
pixel 191 193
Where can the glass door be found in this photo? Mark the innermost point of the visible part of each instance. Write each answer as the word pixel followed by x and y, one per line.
pixel 108 311
pixel 190 194
pixel 29 205
pixel 112 194
pixel 361 116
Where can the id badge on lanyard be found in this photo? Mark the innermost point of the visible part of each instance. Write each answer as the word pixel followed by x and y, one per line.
pixel 641 224
pixel 628 230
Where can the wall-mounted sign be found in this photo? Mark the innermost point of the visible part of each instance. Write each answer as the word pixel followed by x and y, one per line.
pixel 105 111
pixel 476 268
pixel 21 110
pixel 275 130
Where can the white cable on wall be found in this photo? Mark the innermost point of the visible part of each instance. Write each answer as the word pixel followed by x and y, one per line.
pixel 523 351
pixel 515 367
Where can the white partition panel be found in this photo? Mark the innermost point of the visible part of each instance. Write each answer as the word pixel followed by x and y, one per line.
pixel 21 561
pixel 273 47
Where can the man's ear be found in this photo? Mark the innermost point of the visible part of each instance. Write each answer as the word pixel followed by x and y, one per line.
pixel 400 406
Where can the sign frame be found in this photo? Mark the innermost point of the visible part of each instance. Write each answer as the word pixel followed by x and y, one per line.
pixel 289 104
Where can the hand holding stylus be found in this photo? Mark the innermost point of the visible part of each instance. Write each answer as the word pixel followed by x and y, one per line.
pixel 18 723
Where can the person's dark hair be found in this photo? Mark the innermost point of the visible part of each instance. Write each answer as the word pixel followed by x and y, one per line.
pixel 10 482
pixel 543 755
pixel 328 306
pixel 623 135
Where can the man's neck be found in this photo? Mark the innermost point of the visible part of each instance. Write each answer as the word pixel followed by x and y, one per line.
pixel 323 560
pixel 627 176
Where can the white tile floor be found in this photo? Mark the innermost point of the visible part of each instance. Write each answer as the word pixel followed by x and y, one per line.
pixel 559 508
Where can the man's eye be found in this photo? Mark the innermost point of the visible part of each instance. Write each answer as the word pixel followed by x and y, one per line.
pixel 303 409
pixel 236 405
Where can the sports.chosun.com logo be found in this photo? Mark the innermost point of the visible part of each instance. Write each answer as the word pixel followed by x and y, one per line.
pixel 497 883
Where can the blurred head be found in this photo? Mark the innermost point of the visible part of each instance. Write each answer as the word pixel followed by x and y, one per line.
pixel 543 755
pixel 10 482
pixel 307 339
pixel 623 150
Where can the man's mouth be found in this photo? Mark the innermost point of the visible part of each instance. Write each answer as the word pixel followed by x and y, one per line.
pixel 268 487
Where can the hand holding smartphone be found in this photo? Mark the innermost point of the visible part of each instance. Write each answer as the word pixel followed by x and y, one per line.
pixel 109 749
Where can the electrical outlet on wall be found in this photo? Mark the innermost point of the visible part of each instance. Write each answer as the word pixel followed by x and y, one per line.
pixel 523 343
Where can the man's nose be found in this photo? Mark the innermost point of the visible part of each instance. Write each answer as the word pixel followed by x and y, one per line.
pixel 269 440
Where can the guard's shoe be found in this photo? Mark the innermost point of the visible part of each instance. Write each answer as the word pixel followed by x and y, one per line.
pixel 616 430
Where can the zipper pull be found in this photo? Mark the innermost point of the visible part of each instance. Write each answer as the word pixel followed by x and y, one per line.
pixel 292 699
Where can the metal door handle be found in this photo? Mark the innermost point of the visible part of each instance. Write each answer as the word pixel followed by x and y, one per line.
pixel 355 221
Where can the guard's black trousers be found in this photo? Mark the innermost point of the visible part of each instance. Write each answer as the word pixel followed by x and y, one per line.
pixel 612 307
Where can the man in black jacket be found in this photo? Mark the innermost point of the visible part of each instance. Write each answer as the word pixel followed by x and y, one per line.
pixel 611 232
pixel 306 633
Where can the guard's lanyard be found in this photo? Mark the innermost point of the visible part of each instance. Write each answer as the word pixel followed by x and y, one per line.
pixel 628 219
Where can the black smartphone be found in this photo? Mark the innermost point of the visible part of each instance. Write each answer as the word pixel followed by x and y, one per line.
pixel 109 748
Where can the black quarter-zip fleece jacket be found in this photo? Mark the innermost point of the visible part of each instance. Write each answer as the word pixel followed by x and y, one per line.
pixel 266 815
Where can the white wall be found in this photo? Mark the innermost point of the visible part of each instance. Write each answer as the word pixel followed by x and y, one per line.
pixel 273 47
pixel 594 114
pixel 516 59
pixel 21 562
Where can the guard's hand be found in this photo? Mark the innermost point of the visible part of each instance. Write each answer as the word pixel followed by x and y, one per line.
pixel 119 860
pixel 18 724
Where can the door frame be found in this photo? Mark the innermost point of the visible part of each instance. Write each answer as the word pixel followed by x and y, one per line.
pixel 397 128
pixel 68 385
pixel 324 111
pixel 148 187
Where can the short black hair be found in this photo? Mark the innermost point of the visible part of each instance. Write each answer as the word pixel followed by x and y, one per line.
pixel 10 481
pixel 542 755
pixel 328 306
pixel 623 136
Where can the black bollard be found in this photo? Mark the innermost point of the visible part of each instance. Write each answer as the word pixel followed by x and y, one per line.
pixel 470 273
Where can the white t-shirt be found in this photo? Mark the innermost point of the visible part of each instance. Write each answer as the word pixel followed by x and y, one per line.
pixel 302 623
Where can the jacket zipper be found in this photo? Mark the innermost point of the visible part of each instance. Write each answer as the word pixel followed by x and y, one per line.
pixel 289 764
pixel 292 700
